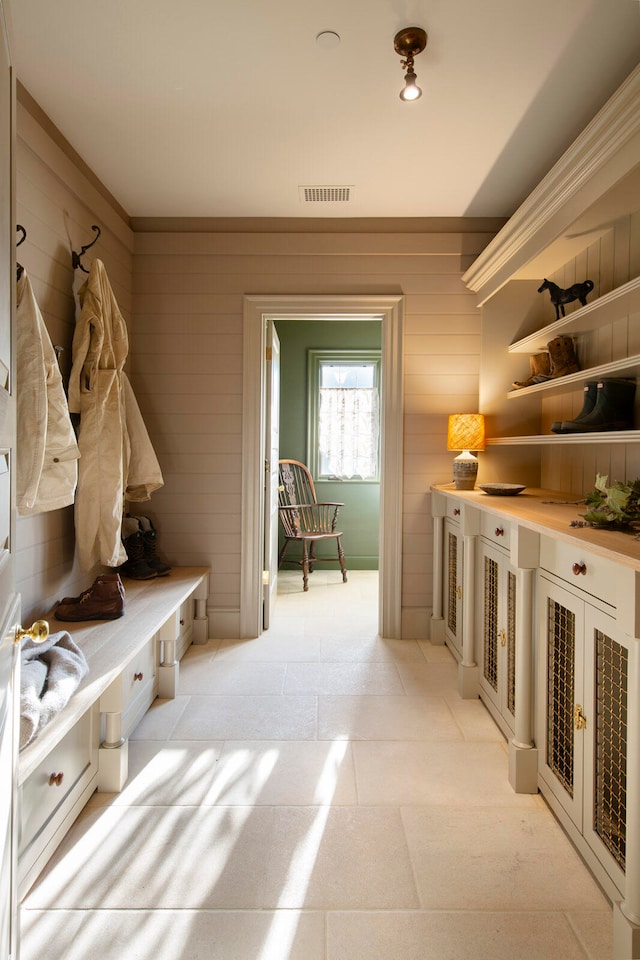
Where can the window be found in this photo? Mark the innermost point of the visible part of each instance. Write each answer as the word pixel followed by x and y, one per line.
pixel 344 414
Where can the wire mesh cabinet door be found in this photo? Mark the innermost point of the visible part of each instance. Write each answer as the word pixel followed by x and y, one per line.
pixel 495 629
pixel 453 586
pixel 583 682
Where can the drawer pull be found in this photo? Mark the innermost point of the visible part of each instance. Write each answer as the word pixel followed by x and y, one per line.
pixel 56 779
pixel 138 676
pixel 456 512
pixel 499 531
pixel 181 622
pixel 579 719
pixel 579 568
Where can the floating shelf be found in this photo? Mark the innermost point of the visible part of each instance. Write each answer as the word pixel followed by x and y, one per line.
pixel 621 302
pixel 627 367
pixel 609 436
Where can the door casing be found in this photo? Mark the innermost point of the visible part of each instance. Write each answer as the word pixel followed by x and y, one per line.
pixel 258 310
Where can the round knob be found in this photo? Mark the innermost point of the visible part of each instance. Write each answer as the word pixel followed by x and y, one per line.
pixel 579 568
pixel 138 676
pixel 38 632
pixel 56 779
pixel 499 531
pixel 181 622
pixel 456 512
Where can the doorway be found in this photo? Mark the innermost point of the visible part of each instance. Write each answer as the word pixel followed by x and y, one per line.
pixel 258 311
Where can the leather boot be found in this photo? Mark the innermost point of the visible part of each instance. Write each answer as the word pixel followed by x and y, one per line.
pixel 104 600
pixel 135 567
pixel 613 408
pixel 540 365
pixel 563 357
pixel 589 402
pixel 150 537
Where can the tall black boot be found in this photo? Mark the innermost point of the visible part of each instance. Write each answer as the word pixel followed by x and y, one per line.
pixel 566 426
pixel 135 567
pixel 150 537
pixel 613 409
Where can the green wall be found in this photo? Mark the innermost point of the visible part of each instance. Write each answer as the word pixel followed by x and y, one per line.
pixel 358 519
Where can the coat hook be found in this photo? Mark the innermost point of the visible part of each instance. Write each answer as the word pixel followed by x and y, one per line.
pixel 76 258
pixel 19 267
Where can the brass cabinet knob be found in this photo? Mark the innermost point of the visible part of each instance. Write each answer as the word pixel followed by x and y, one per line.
pixel 579 719
pixel 138 676
pixel 579 568
pixel 38 632
pixel 502 634
pixel 56 779
pixel 499 531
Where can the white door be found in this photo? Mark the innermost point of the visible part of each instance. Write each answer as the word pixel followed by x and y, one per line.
pixel 272 446
pixel 9 602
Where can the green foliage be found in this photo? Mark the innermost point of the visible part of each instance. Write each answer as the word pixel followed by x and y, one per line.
pixel 618 505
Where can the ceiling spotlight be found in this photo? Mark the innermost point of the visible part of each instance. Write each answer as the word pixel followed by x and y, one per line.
pixel 408 43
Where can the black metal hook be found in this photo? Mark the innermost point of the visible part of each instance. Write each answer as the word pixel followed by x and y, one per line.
pixel 19 267
pixel 76 258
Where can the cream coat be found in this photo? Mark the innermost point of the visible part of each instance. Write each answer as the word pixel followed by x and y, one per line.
pixel 47 451
pixel 118 461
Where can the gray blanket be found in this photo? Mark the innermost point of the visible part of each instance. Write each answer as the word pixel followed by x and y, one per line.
pixel 50 672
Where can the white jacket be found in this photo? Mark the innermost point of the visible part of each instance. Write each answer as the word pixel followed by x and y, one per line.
pixel 47 451
pixel 118 461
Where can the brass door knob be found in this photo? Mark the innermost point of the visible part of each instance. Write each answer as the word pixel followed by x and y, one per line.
pixel 38 632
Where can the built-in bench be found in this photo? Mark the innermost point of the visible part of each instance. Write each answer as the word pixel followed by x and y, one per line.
pixel 85 747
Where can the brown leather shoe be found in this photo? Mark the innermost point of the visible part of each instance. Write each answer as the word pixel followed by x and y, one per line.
pixel 104 600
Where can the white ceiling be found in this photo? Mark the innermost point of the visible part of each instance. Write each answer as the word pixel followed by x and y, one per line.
pixel 205 108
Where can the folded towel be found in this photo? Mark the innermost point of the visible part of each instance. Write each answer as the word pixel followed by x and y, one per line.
pixel 50 673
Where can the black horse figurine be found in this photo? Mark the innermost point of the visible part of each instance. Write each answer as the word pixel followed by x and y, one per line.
pixel 578 291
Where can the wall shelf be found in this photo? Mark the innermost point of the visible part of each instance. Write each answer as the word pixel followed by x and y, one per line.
pixel 621 302
pixel 609 436
pixel 626 367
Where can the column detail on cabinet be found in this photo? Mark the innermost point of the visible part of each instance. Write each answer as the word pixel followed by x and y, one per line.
pixel 437 619
pixel 626 914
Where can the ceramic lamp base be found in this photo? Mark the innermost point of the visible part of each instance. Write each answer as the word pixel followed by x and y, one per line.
pixel 465 471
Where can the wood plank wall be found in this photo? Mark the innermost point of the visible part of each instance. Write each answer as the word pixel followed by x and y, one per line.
pixel 57 202
pixel 187 372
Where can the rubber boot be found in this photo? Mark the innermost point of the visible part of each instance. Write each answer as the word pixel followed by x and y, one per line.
pixel 104 600
pixel 613 408
pixel 150 537
pixel 563 357
pixel 135 567
pixel 590 391
pixel 540 365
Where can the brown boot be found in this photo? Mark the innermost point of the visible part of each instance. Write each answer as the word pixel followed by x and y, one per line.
pixel 563 356
pixel 104 600
pixel 540 364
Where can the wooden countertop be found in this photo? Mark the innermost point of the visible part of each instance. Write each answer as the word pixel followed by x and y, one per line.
pixel 530 509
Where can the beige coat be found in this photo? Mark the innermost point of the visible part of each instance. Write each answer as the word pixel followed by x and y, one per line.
pixel 118 461
pixel 47 452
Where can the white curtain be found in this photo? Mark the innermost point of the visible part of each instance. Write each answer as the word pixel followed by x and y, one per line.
pixel 348 428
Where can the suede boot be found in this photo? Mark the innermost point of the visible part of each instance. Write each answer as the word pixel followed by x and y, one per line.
pixel 104 600
pixel 613 410
pixel 150 537
pixel 135 567
pixel 590 391
pixel 563 357
pixel 540 365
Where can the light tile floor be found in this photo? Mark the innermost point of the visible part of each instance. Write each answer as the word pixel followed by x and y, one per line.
pixel 317 794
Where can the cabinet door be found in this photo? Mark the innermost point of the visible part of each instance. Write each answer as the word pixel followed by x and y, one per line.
pixel 453 586
pixel 496 630
pixel 561 692
pixel 605 742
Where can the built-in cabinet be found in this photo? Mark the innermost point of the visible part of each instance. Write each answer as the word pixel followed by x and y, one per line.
pixel 84 748
pixel 555 642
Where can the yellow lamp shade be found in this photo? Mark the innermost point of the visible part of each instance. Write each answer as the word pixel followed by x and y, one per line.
pixel 466 431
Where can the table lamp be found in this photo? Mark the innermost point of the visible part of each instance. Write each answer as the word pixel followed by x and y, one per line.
pixel 465 433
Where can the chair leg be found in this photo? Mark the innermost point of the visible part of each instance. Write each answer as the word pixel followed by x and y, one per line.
pixel 341 559
pixel 312 555
pixel 305 565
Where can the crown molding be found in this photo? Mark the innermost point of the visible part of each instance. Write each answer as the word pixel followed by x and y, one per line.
pixel 602 154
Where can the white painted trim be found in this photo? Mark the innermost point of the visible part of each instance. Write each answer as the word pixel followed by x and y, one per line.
pixel 586 165
pixel 257 310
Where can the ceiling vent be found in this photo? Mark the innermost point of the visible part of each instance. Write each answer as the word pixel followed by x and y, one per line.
pixel 324 194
